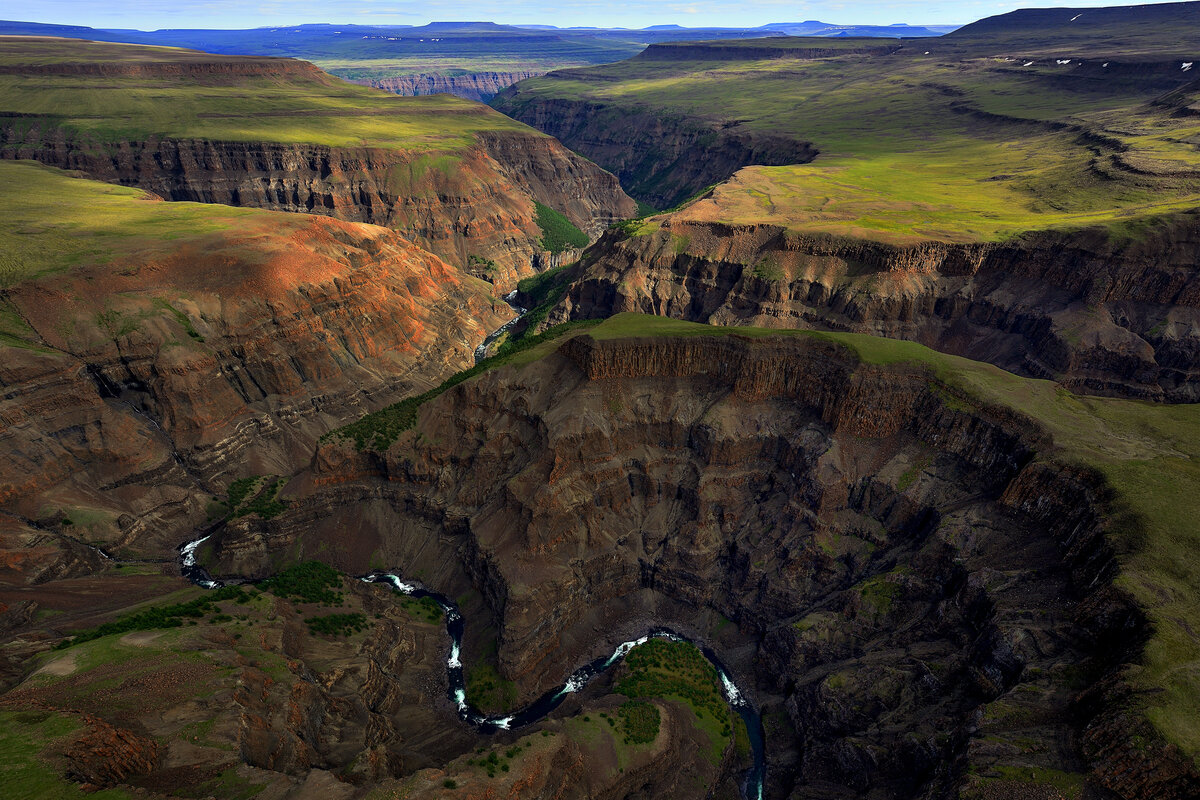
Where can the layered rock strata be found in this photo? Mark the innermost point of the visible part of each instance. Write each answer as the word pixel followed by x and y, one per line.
pixel 661 159
pixel 144 387
pixel 1100 315
pixel 470 207
pixel 481 86
pixel 914 592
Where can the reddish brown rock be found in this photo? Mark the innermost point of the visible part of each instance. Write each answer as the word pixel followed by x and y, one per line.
pixel 894 560
pixel 155 381
pixel 104 755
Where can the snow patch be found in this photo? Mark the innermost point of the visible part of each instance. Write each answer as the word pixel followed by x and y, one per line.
pixel 1186 66
pixel 1062 61
pixel 1027 64
pixel 1077 16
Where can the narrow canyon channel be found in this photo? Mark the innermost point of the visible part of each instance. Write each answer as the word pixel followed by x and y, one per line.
pixel 752 782
pixel 481 352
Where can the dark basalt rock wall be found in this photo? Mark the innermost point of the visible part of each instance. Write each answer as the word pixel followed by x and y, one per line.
pixel 482 208
pixel 1101 317
pixel 911 591
pixel 660 160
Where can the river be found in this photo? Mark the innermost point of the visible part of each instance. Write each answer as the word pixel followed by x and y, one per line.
pixel 481 351
pixel 753 780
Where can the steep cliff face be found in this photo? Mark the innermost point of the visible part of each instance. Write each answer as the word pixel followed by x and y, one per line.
pixel 478 202
pixel 481 86
pixel 660 158
pixel 1101 316
pixel 145 386
pixel 880 540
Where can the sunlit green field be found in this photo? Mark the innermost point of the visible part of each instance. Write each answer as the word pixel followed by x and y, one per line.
pixel 304 107
pixel 949 145
pixel 51 221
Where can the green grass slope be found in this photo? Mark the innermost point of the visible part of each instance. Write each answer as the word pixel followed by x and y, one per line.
pixel 58 222
pixel 1147 32
pixel 113 92
pixel 955 139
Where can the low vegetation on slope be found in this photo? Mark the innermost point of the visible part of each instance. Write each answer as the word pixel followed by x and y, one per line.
pixel 380 429
pixel 675 671
pixel 83 714
pixel 558 233
pixel 56 83
pixel 971 139
pixel 57 222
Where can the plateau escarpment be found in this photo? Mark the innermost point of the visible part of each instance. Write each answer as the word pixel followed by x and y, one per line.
pixel 481 86
pixel 661 159
pixel 1036 213
pixel 1098 313
pixel 457 178
pixel 141 381
pixel 913 591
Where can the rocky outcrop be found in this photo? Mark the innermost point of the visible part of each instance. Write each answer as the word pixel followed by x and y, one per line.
pixel 31 555
pixel 898 566
pixel 481 86
pixel 660 159
pixel 147 385
pixel 104 755
pixel 474 203
pixel 259 698
pixel 1099 315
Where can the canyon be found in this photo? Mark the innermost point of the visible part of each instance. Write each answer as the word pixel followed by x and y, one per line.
pixel 481 86
pixel 468 198
pixel 859 526
pixel 1097 314
pixel 141 386
pixel 891 417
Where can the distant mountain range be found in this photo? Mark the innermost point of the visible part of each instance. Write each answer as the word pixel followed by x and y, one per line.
pixel 315 41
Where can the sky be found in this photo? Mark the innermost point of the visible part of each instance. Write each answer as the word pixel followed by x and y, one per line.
pixel 153 14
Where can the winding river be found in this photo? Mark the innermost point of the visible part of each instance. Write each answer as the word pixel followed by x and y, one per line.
pixel 481 351
pixel 752 784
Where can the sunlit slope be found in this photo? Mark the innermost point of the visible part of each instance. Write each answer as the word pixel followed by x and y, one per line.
pixel 938 139
pixel 113 92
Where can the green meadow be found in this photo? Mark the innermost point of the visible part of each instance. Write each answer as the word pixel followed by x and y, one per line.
pixel 51 221
pixel 309 108
pixel 948 144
